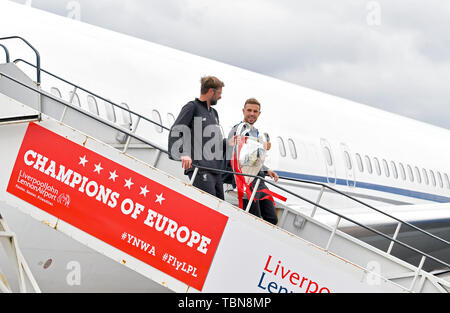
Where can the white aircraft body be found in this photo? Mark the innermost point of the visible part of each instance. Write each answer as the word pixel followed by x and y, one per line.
pixel 389 161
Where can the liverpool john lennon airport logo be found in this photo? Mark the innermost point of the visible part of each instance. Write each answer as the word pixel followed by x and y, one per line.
pixel 64 199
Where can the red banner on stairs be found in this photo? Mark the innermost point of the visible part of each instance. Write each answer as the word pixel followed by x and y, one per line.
pixel 139 216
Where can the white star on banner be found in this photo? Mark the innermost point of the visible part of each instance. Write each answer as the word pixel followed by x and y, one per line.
pixel 113 175
pixel 83 161
pixel 98 168
pixel 159 198
pixel 144 191
pixel 128 183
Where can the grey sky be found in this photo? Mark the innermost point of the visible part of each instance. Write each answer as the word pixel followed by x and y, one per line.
pixel 394 55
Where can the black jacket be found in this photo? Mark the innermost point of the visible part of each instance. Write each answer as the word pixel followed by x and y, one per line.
pixel 196 132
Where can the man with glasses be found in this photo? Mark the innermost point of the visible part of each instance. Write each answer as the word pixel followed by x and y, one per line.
pixel 196 138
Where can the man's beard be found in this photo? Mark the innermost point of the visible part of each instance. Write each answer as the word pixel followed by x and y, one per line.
pixel 213 101
pixel 248 121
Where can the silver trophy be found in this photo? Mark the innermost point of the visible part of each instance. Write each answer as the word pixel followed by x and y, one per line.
pixel 252 153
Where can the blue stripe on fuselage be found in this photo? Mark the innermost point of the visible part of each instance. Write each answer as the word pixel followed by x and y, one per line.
pixel 388 189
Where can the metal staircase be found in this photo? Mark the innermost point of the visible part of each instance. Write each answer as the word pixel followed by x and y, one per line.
pixel 24 278
pixel 329 259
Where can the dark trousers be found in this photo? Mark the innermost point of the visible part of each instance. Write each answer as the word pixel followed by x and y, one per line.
pixel 268 211
pixel 254 207
pixel 263 209
pixel 209 182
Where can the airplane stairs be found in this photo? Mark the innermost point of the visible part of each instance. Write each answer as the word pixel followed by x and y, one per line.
pixel 116 193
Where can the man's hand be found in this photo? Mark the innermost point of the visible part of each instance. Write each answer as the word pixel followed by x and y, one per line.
pixel 267 145
pixel 186 162
pixel 232 141
pixel 273 175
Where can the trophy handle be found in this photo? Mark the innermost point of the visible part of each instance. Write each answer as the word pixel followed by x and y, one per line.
pixel 243 129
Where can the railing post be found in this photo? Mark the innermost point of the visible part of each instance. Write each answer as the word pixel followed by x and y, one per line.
pixel 332 233
pixel 158 154
pixel 317 202
pixel 422 261
pixel 38 57
pixel 6 52
pixel 125 148
pixel 397 230
pixel 255 189
pixel 39 95
pixel 70 101
pixel 193 176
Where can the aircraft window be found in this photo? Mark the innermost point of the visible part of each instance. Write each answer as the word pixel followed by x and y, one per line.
pixel 394 170
pixel 348 161
pixel 377 166
pixel 386 168
pixel 402 171
pixel 433 179
pixel 447 182
pixel 281 146
pixel 368 164
pixel 425 176
pixel 126 116
pixel 441 184
pixel 157 118
pixel 360 162
pixel 76 99
pixel 171 119
pixel 291 144
pixel 92 105
pixel 110 113
pixel 417 172
pixel 55 91
pixel 327 153
pixel 410 173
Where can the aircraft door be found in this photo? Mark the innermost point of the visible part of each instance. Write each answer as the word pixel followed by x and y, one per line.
pixel 327 153
pixel 348 165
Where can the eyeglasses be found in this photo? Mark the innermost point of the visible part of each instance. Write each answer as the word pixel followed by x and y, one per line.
pixel 219 92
